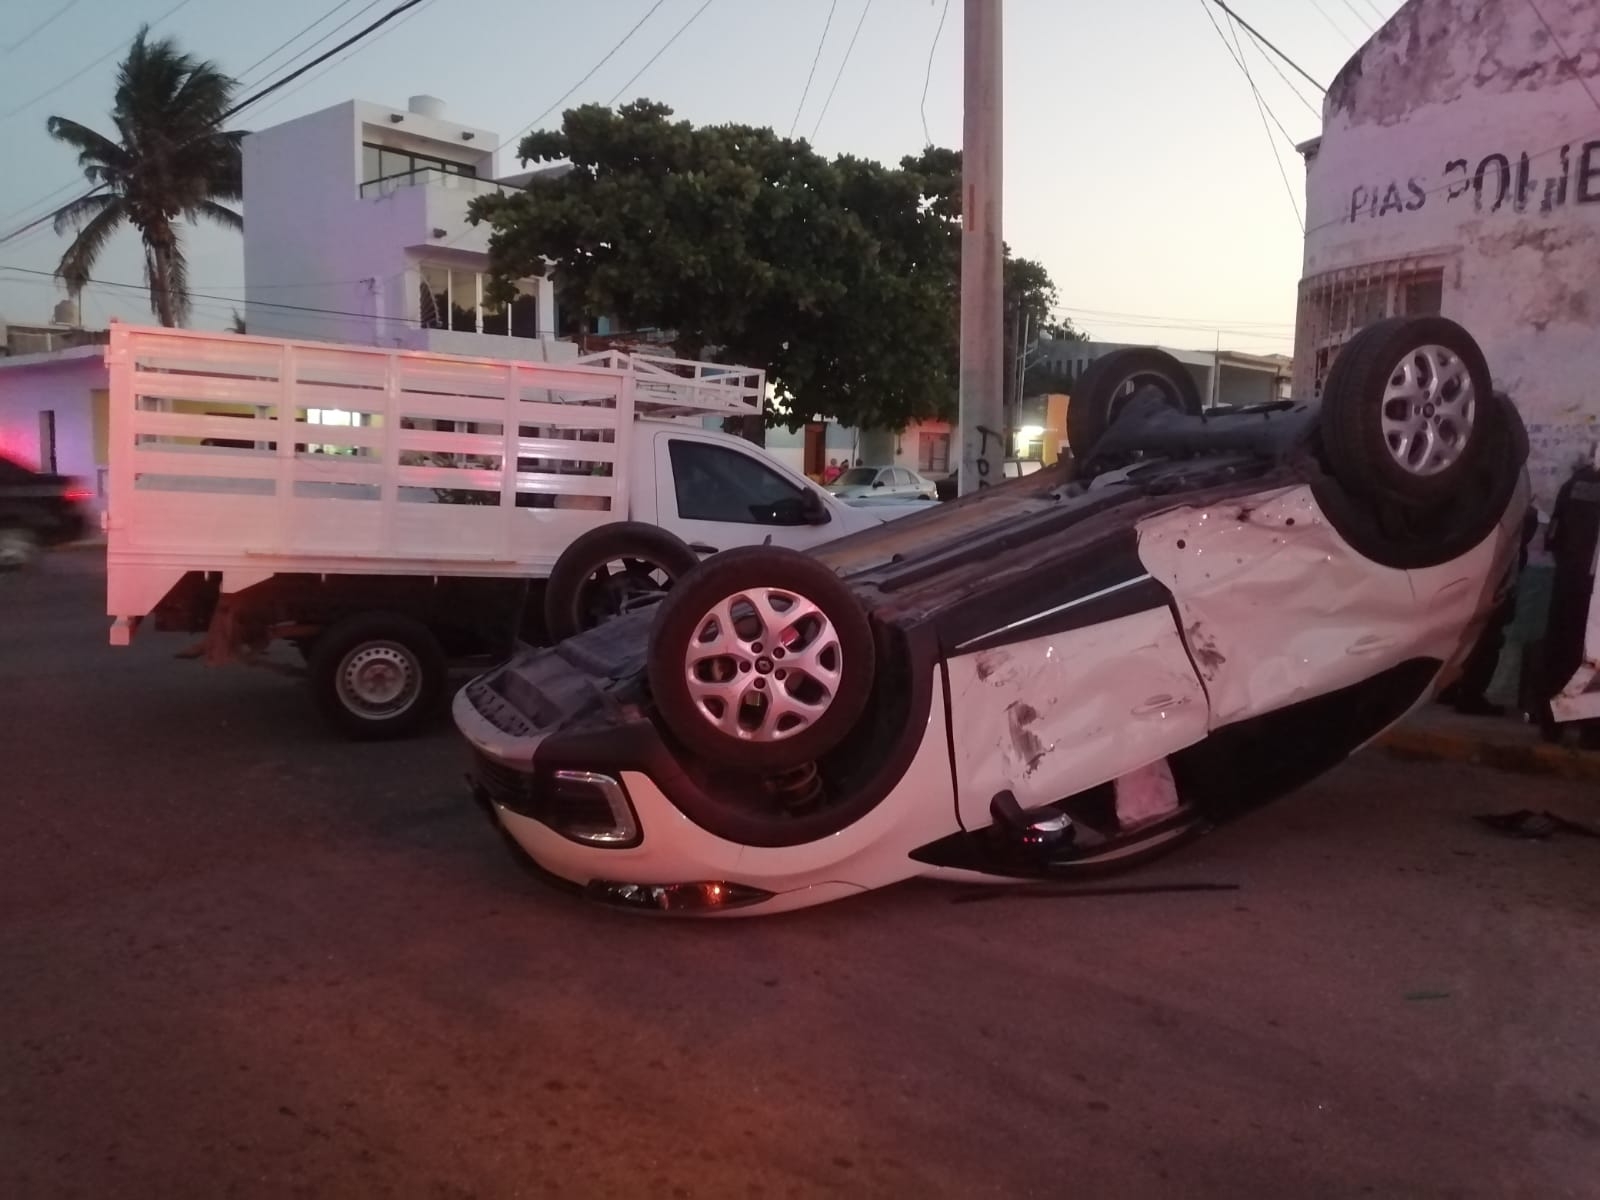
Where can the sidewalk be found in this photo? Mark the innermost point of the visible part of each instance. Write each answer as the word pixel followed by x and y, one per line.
pixel 1437 733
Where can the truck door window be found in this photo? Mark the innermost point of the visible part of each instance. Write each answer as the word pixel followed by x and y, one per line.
pixel 714 483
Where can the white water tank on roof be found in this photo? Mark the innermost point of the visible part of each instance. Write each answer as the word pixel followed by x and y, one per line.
pixel 66 313
pixel 427 106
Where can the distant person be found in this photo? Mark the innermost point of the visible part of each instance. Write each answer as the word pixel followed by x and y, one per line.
pixel 833 471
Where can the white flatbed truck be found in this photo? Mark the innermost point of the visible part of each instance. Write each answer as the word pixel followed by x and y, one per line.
pixel 393 513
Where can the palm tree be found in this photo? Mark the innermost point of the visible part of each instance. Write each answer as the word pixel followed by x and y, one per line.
pixel 171 160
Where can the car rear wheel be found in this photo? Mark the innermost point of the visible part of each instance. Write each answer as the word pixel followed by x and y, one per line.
pixel 761 658
pixel 18 547
pixel 610 571
pixel 1407 412
pixel 377 676
pixel 1114 379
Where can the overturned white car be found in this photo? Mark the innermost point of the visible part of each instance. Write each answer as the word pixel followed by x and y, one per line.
pixel 1057 675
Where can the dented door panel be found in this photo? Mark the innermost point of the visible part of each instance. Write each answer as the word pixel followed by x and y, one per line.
pixel 1050 717
pixel 1275 607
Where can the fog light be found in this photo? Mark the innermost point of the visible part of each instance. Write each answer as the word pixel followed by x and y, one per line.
pixel 708 896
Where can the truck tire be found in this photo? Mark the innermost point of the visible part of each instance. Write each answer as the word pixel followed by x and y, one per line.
pixel 761 658
pixel 377 676
pixel 611 570
pixel 1408 414
pixel 1111 380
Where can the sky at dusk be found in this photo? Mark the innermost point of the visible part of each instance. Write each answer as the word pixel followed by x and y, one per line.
pixel 1137 166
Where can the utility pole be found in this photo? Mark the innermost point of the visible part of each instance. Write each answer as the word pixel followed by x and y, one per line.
pixel 983 368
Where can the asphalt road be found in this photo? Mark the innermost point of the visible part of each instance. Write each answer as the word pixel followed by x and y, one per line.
pixel 239 958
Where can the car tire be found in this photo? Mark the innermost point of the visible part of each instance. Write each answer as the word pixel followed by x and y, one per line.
pixel 1408 413
pixel 575 600
pixel 731 696
pixel 19 546
pixel 1099 395
pixel 377 676
pixel 1411 536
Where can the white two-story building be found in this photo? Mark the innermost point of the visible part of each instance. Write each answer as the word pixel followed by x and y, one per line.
pixel 356 231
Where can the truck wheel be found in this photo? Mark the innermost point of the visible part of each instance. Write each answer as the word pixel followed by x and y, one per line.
pixel 377 676
pixel 612 570
pixel 761 658
pixel 1112 380
pixel 1407 412
pixel 18 547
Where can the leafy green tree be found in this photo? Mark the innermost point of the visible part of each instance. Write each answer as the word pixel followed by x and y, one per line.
pixel 170 160
pixel 840 278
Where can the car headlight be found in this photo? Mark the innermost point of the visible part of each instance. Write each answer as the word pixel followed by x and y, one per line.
pixel 586 806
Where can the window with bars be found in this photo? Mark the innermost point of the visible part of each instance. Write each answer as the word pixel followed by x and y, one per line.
pixel 1336 306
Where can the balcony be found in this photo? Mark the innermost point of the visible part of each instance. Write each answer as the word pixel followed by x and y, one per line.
pixel 434 177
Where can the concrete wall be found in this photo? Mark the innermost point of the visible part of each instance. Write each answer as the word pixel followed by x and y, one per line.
pixel 1458 140
pixel 68 387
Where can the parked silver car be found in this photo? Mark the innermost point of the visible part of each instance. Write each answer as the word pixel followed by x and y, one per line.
pixel 860 482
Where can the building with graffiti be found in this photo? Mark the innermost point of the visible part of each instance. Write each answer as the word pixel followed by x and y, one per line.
pixel 1458 172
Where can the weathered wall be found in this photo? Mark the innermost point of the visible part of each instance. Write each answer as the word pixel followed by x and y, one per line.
pixel 1459 137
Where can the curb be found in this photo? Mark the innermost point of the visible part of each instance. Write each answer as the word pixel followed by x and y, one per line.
pixel 1537 758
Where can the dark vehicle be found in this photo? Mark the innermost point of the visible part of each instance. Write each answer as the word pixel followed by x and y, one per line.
pixel 37 510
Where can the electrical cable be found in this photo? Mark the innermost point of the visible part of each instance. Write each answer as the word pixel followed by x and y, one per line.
pixel 815 58
pixel 681 29
pixel 40 27
pixel 305 30
pixel 1262 109
pixel 1255 33
pixel 839 74
pixel 257 96
pixel 1360 17
pixel 589 74
pixel 84 70
pixel 1337 28
pixel 335 63
pixel 927 138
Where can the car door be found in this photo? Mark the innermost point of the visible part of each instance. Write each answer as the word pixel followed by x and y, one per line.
pixel 901 482
pixel 716 495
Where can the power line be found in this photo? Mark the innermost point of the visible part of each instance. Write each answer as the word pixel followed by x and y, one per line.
pixel 589 74
pixel 1359 16
pixel 305 30
pixel 40 27
pixel 1337 28
pixel 84 70
pixel 1376 11
pixel 681 29
pixel 1287 82
pixel 1253 32
pixel 333 63
pixel 1201 322
pixel 249 100
pixel 838 75
pixel 1262 109
pixel 927 138
pixel 815 58
pixel 228 300
pixel 321 58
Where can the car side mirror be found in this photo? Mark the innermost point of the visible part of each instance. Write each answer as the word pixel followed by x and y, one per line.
pixel 877 483
pixel 812 510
